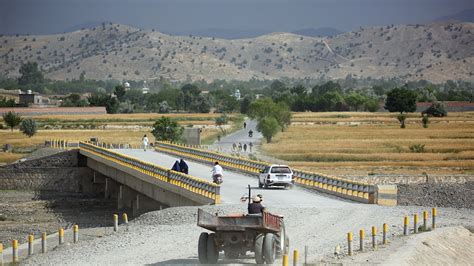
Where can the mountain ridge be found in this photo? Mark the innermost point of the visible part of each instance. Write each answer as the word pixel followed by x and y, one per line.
pixel 435 52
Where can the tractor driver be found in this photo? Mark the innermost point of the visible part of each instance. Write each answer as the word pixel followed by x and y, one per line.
pixel 256 206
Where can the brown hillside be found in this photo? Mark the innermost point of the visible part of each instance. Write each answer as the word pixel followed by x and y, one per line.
pixel 435 52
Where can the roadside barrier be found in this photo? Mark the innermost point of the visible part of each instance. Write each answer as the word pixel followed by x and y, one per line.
pixel 125 218
pixel 61 236
pixel 1 254
pixel 75 237
pixel 14 250
pixel 285 260
pixel 354 190
pixel 295 257
pixel 433 224
pixel 115 223
pixel 195 185
pixel 44 246
pixel 385 241
pixel 31 238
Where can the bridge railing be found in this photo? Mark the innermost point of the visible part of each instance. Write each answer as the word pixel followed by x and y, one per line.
pixel 193 184
pixel 354 190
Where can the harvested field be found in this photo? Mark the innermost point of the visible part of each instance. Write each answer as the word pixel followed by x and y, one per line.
pixel 326 143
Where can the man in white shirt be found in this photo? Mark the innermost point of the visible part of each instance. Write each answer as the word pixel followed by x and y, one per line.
pixel 217 173
pixel 145 142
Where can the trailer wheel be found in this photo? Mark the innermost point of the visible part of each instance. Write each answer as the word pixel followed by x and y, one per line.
pixel 212 250
pixel 258 249
pixel 269 248
pixel 282 241
pixel 202 248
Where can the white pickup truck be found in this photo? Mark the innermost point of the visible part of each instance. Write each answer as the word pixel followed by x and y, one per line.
pixel 276 175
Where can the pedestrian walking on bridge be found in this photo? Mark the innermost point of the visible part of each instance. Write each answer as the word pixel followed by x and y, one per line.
pixel 250 146
pixel 145 142
pixel 245 147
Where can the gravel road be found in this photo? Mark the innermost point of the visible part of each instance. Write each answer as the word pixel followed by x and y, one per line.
pixel 170 236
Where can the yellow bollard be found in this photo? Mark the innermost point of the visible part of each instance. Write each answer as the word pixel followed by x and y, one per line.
pixel 349 243
pixel 30 245
pixel 374 237
pixel 285 260
pixel 44 248
pixel 61 236
pixel 433 225
pixel 405 225
pixel 125 218
pixel 75 233
pixel 361 239
pixel 425 220
pixel 115 223
pixel 415 223
pixel 1 254
pixel 14 250
pixel 385 230
pixel 295 257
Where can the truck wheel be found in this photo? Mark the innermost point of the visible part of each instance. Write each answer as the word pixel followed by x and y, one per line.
pixel 269 248
pixel 258 249
pixel 281 239
pixel 212 250
pixel 202 248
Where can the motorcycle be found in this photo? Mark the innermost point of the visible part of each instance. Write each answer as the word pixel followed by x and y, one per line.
pixel 250 133
pixel 217 179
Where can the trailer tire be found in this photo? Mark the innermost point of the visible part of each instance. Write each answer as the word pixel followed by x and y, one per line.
pixel 282 241
pixel 269 248
pixel 212 250
pixel 202 248
pixel 258 249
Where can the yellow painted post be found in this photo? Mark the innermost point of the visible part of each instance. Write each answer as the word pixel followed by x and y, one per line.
pixel 349 243
pixel 14 250
pixel 361 239
pixel 285 260
pixel 385 230
pixel 374 237
pixel 44 248
pixel 433 224
pixel 295 257
pixel 115 223
pixel 405 225
pixel 425 220
pixel 75 233
pixel 415 223
pixel 1 254
pixel 61 236
pixel 31 238
pixel 125 218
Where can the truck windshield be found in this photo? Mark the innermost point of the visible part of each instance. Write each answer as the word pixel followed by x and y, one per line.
pixel 281 170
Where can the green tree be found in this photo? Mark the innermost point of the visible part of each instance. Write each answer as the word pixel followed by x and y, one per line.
pixel 74 100
pixel 167 129
pixel 12 119
pixel 401 100
pixel 28 127
pixel 245 104
pixel 436 110
pixel 7 103
pixel 269 127
pixel 401 117
pixel 265 107
pixel 101 99
pixel 222 120
pixel 164 107
pixel 425 120
pixel 30 74
pixel 119 91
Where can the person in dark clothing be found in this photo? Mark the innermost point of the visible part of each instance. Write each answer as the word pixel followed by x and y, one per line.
pixel 245 125
pixel 256 206
pixel 176 166
pixel 183 166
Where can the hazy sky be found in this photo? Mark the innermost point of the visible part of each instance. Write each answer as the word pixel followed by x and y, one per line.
pixel 52 16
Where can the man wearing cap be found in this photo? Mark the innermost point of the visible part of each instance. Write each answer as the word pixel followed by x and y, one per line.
pixel 256 206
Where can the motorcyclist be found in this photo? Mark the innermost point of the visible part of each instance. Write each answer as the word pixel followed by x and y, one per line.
pixel 250 133
pixel 217 173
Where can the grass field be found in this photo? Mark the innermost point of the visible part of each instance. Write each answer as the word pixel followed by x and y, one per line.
pixel 117 133
pixel 373 143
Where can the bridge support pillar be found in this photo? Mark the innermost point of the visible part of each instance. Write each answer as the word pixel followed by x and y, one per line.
pixel 136 205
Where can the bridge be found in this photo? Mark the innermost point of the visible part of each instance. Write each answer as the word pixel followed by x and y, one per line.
pixel 142 180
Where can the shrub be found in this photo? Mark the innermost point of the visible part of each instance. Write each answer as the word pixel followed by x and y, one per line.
pixel 425 120
pixel 418 148
pixel 436 110
pixel 401 118
pixel 12 119
pixel 28 127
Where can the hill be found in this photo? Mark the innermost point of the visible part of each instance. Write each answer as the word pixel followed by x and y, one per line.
pixel 319 32
pixel 436 52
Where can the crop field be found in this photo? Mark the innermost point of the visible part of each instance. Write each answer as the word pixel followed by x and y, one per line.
pixel 116 128
pixel 374 143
